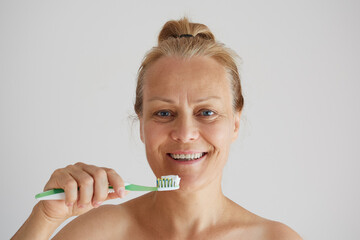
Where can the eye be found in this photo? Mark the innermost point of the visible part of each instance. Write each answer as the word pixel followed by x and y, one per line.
pixel 207 113
pixel 163 113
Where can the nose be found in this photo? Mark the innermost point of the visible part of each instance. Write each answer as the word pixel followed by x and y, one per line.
pixel 185 130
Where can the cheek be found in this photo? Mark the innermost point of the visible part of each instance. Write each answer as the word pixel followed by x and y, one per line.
pixel 154 135
pixel 217 134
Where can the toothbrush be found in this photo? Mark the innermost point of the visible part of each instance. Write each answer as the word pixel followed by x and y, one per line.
pixel 165 183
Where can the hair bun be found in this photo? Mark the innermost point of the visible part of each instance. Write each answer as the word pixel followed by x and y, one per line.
pixel 184 28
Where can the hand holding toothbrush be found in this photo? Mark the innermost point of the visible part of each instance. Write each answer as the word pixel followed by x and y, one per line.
pixel 86 187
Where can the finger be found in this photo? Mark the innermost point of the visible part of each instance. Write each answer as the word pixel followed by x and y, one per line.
pixel 114 195
pixel 116 182
pixel 62 179
pixel 101 184
pixel 85 183
pixel 71 190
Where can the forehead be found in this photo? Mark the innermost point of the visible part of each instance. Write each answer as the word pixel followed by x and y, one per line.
pixel 170 76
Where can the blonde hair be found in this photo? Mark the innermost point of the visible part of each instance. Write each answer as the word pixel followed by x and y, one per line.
pixel 201 43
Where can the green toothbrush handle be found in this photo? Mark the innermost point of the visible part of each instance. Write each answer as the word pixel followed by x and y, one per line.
pixel 134 187
pixel 58 193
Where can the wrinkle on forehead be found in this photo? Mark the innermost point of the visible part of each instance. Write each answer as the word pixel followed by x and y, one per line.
pixel 186 79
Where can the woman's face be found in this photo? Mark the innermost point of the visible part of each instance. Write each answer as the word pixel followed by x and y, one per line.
pixel 188 122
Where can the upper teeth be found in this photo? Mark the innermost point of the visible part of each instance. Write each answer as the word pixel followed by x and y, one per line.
pixel 187 156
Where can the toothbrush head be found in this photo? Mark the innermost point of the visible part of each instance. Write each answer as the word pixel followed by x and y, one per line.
pixel 168 183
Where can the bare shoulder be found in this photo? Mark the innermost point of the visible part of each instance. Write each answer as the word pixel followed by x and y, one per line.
pixel 251 226
pixel 264 229
pixel 279 231
pixel 104 222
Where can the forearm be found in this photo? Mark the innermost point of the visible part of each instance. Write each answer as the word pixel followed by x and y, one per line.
pixel 37 226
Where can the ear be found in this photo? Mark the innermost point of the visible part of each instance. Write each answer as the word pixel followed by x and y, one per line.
pixel 237 115
pixel 141 120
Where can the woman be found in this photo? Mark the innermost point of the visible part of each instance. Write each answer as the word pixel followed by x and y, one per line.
pixel 188 101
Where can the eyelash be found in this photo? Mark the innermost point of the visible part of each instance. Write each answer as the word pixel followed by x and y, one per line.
pixel 170 112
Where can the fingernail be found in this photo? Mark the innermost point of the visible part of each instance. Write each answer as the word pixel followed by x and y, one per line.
pixel 122 192
pixel 97 204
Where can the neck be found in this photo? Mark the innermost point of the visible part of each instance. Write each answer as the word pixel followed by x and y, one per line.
pixel 189 211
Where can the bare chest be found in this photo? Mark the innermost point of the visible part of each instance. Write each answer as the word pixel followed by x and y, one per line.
pixel 223 233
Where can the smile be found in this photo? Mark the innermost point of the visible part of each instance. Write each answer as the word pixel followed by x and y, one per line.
pixel 186 157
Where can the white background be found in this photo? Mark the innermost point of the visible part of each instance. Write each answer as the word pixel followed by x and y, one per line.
pixel 67 85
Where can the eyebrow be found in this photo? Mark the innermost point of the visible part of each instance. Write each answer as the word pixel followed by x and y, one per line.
pixel 171 101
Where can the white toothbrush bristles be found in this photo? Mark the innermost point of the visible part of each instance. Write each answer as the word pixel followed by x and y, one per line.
pixel 167 183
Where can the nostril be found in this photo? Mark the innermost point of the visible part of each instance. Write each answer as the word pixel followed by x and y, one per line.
pixel 184 135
